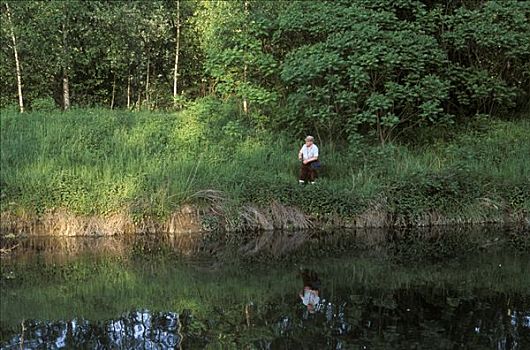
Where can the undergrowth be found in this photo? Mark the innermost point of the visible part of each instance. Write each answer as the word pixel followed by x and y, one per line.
pixel 96 161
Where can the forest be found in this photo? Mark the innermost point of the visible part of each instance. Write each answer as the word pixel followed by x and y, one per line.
pixel 419 107
pixel 150 184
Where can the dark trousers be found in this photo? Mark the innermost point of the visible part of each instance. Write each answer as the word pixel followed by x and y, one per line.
pixel 307 173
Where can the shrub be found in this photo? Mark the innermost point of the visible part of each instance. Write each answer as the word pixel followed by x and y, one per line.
pixel 43 104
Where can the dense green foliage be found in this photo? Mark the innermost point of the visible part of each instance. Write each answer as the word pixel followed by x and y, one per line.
pixel 96 161
pixel 335 69
pixel 384 66
pixel 210 95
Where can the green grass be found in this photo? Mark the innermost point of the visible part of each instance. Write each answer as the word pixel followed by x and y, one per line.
pixel 96 161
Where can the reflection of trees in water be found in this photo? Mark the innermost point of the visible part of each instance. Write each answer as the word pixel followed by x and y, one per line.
pixel 407 319
pixel 138 329
pixel 400 319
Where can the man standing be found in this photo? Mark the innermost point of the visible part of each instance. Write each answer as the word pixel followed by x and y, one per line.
pixel 309 156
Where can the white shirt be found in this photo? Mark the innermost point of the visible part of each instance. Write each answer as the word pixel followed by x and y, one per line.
pixel 309 152
pixel 310 297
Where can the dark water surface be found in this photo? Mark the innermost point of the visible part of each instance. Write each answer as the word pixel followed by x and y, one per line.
pixel 450 289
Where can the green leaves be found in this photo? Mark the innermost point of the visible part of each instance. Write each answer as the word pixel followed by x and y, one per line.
pixel 376 71
pixel 233 44
pixel 388 65
pixel 489 47
pixel 339 69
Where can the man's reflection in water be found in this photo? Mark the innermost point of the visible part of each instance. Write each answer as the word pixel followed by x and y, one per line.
pixel 310 294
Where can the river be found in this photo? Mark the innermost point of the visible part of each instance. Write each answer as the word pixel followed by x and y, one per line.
pixel 445 289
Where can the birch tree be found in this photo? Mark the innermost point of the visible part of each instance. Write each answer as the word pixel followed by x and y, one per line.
pixel 177 52
pixel 17 61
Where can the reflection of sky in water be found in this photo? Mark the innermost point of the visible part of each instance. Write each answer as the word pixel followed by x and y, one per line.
pixel 502 333
pixel 520 317
pixel 143 329
pixel 139 329
pixel 365 324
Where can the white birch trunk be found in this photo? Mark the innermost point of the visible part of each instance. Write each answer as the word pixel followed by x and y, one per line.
pixel 147 83
pixel 113 92
pixel 66 83
pixel 177 51
pixel 17 61
pixel 129 92
pixel 245 67
pixel 245 102
pixel 66 90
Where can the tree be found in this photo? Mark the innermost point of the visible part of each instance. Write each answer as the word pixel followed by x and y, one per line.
pixel 354 68
pixel 489 50
pixel 384 67
pixel 235 59
pixel 65 27
pixel 177 52
pixel 17 61
pixel 338 69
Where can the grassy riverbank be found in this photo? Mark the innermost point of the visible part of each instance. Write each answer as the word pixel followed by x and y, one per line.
pixel 147 165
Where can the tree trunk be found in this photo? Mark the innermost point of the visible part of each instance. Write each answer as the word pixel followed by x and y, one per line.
pixel 129 92
pixel 113 92
pixel 17 62
pixel 245 67
pixel 66 90
pixel 177 49
pixel 153 105
pixel 245 102
pixel 147 84
pixel 138 104
pixel 380 130
pixel 66 83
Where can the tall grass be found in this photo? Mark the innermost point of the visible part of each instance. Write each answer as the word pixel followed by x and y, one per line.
pixel 96 161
